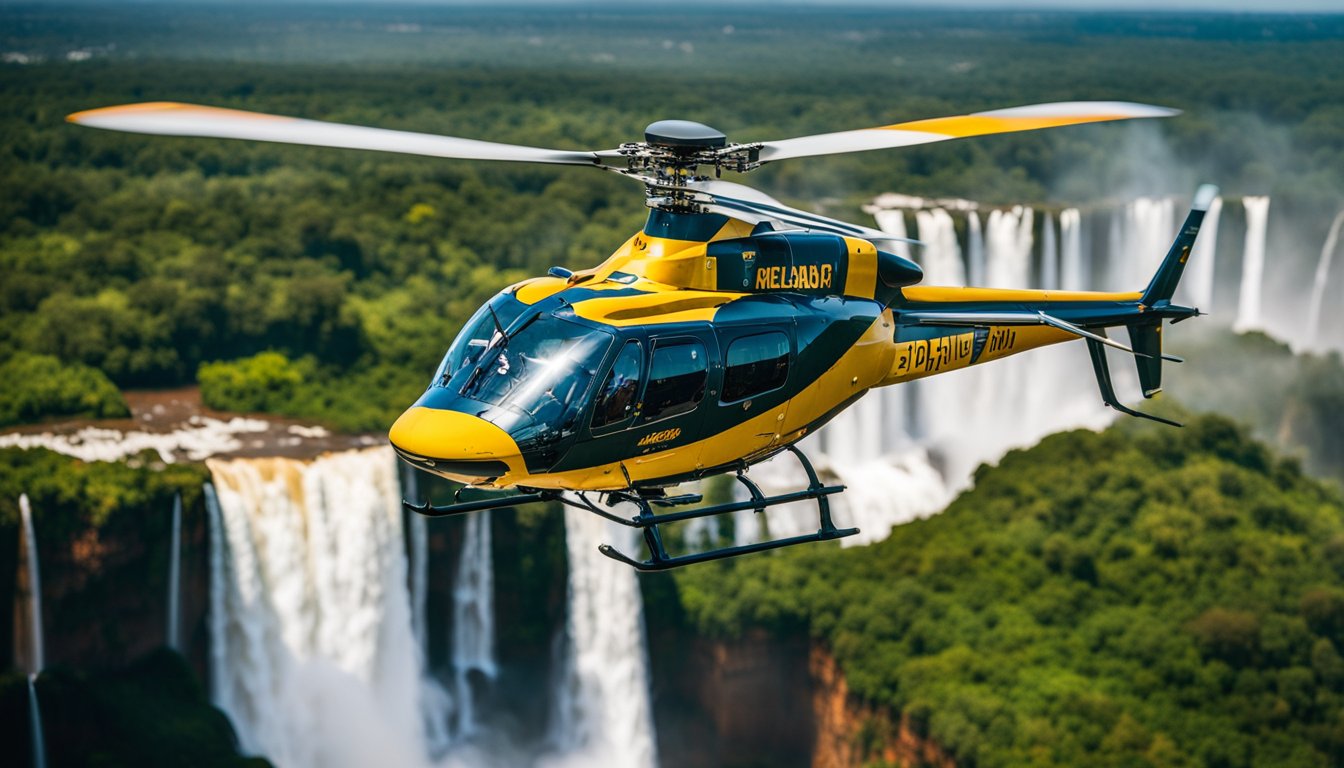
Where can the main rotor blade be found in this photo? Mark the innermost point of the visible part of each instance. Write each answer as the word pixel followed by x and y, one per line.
pixel 174 119
pixel 754 206
pixel 1027 118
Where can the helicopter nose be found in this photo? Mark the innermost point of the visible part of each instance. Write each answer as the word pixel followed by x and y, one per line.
pixel 453 444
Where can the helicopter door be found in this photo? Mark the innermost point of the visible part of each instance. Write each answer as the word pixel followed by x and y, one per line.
pixel 648 406
pixel 670 417
pixel 755 374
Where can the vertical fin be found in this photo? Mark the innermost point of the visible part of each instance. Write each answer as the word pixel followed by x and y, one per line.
pixel 1164 282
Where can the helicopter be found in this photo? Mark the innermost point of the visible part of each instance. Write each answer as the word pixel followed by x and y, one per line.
pixel 719 335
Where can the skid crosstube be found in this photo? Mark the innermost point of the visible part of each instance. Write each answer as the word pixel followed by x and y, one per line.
pixel 647 521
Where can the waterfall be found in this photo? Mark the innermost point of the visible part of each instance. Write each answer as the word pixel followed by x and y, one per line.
pixel 941 256
pixel 975 249
pixel 1322 279
pixel 1141 234
pixel 315 660
pixel 437 703
pixel 1253 265
pixel 418 528
pixel 1008 248
pixel 175 576
pixel 1197 287
pixel 1071 274
pixel 1049 255
pixel 219 622
pixel 601 711
pixel 893 223
pixel 474 619
pixel 35 725
pixel 972 416
pixel 36 660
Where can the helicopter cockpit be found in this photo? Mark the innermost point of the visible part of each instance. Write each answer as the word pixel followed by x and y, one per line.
pixel 526 372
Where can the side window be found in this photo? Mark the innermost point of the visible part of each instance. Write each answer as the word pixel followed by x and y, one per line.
pixel 676 379
pixel 756 364
pixel 616 398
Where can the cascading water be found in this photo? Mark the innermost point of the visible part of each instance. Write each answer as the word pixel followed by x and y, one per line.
pixel 1072 275
pixel 220 690
pixel 893 223
pixel 1142 232
pixel 1196 289
pixel 473 620
pixel 35 725
pixel 1049 254
pixel 941 257
pixel 975 249
pixel 35 658
pixel 1253 265
pixel 601 713
pixel 418 552
pixel 1008 240
pixel 315 659
pixel 174 576
pixel 1314 309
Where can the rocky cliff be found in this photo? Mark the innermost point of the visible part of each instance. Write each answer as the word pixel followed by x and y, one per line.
pixel 849 732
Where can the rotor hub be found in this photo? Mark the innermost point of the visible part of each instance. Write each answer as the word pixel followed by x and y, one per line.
pixel 685 135
pixel 671 155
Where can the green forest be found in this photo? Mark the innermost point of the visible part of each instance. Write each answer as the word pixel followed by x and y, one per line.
pixel 163 261
pixel 1139 597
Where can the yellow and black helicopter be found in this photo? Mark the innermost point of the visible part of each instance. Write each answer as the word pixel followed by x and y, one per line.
pixel 720 335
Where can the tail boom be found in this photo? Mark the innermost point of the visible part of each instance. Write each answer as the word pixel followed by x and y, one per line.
pixel 940 329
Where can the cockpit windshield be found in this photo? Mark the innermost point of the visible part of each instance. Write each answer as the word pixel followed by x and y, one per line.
pixel 542 370
pixel 477 335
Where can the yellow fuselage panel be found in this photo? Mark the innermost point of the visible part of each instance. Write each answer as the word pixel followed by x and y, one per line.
pixel 920 358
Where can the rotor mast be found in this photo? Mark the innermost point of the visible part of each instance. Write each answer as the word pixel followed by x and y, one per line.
pixel 670 156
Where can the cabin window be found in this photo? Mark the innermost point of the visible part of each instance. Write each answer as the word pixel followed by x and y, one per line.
pixel 756 364
pixel 677 376
pixel 616 398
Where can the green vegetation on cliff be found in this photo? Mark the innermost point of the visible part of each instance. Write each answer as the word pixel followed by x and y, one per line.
pixel 1129 598
pixel 358 400
pixel 41 386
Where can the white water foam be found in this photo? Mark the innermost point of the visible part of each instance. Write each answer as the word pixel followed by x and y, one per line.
pixel 1072 271
pixel 315 659
pixel 203 438
pixel 1322 279
pixel 1196 289
pixel 474 664
pixel 602 712
pixel 1249 317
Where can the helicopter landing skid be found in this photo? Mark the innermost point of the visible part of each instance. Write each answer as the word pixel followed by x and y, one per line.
pixel 648 521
